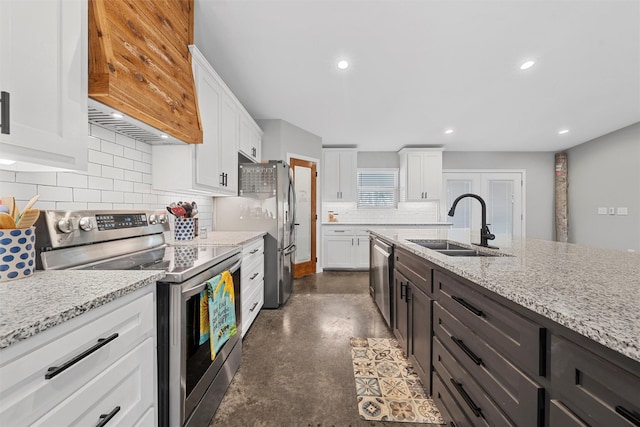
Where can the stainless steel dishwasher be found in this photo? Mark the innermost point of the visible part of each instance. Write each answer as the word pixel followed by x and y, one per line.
pixel 380 282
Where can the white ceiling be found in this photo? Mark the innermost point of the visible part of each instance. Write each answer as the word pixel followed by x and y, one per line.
pixel 420 67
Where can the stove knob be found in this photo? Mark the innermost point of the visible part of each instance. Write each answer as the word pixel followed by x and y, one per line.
pixel 153 219
pixel 86 224
pixel 162 218
pixel 65 225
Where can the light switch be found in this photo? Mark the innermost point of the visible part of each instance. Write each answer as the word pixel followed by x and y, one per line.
pixel 623 211
pixel 612 211
pixel 602 211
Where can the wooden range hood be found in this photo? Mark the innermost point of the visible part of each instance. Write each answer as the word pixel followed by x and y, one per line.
pixel 140 65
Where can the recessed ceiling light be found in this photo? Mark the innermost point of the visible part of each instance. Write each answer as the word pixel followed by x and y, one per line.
pixel 527 65
pixel 116 115
pixel 343 65
pixel 163 136
pixel 563 131
pixel 6 162
pixel 448 131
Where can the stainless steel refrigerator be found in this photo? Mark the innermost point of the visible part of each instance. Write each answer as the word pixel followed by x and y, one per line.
pixel 267 203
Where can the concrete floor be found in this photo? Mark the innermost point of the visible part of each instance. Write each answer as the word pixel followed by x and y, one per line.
pixel 296 365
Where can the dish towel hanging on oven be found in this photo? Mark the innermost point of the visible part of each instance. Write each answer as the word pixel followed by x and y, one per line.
pixel 222 311
pixel 204 316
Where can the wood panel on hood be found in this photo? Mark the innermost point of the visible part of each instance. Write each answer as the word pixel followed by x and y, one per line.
pixel 139 63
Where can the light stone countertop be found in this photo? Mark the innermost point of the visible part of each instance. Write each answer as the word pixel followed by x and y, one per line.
pixel 594 292
pixel 47 298
pixel 395 224
pixel 219 238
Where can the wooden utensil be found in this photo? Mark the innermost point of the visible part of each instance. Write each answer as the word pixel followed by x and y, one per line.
pixel 10 203
pixel 31 202
pixel 7 221
pixel 28 218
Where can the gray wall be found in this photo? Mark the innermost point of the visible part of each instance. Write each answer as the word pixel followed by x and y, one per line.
pixel 378 159
pixel 605 172
pixel 281 137
pixel 539 167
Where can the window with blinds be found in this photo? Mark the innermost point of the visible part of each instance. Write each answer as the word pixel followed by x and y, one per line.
pixel 377 188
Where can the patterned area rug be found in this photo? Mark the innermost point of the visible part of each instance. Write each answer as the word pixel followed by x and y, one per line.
pixel 387 386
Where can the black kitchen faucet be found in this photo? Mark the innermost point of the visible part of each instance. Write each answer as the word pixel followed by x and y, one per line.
pixel 485 234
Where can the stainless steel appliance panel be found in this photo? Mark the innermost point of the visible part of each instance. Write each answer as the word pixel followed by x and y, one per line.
pixel 381 270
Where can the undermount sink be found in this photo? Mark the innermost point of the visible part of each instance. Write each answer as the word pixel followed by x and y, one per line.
pixel 438 244
pixel 463 252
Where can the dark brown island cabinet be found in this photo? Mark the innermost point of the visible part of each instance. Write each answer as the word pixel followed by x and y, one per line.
pixel 488 361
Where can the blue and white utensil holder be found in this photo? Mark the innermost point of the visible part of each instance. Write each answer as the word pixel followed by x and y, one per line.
pixel 184 228
pixel 17 253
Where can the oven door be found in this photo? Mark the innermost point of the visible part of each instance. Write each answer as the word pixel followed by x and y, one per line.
pixel 189 371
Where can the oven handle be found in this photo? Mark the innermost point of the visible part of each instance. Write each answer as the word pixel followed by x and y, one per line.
pixel 200 287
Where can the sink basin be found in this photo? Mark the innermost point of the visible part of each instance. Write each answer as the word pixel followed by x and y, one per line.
pixel 463 252
pixel 438 244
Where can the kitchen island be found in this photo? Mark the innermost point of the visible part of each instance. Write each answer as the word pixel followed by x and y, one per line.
pixel 543 333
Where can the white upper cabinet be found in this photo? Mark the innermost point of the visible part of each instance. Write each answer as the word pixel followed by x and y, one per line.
pixel 250 138
pixel 339 168
pixel 420 174
pixel 210 167
pixel 43 69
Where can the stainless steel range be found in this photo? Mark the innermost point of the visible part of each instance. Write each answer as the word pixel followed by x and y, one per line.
pixel 190 384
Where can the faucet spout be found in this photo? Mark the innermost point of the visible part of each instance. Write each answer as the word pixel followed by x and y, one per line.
pixel 485 233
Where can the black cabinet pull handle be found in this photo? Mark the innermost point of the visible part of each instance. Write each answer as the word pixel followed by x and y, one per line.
pixel 403 289
pixel 474 408
pixel 5 118
pixel 628 415
pixel 254 251
pixel 409 293
pixel 468 306
pixel 222 179
pixel 105 418
pixel 467 351
pixel 254 306
pixel 55 370
pixel 254 276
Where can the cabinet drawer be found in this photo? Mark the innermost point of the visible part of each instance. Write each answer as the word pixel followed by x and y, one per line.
pixel 449 409
pixel 253 251
pixel 252 276
pixel 416 270
pixel 518 338
pixel 127 384
pixel 560 416
pixel 595 389
pixel 516 394
pixel 27 395
pixel 475 403
pixel 251 306
pixel 338 231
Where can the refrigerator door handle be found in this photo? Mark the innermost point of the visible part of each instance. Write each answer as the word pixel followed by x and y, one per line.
pixel 289 250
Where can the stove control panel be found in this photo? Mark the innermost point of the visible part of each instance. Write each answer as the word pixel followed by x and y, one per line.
pixel 119 221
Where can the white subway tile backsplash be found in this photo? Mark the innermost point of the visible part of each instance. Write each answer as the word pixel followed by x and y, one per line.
pixel 132 154
pixel 94 169
pixel 102 133
pixel 147 178
pixel 86 195
pixel 112 196
pixel 141 188
pixel 112 148
pixel 100 183
pixel 133 176
pixel 69 179
pixel 94 143
pixel 99 206
pixel 150 199
pixel 123 163
pixel 7 176
pixel 100 158
pixel 36 177
pixel 126 206
pixel 125 141
pixel 44 204
pixel 56 194
pixel 131 198
pixel 120 185
pixel 146 158
pixel 115 173
pixel 144 147
pixel 142 167
pixel 70 206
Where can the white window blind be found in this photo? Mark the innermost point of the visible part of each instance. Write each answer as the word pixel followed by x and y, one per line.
pixel 377 188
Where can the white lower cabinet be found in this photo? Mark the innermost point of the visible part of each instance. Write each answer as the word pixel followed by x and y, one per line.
pixel 252 282
pixel 345 248
pixel 81 369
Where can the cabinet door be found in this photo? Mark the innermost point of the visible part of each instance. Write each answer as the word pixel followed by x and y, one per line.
pixel 330 176
pixel 338 252
pixel 44 69
pixel 401 310
pixel 421 307
pixel 348 167
pixel 361 252
pixel 229 133
pixel 250 138
pixel 432 175
pixel 414 177
pixel 208 173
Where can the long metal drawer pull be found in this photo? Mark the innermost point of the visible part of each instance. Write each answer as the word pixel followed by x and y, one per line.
pixel 254 251
pixel 402 292
pixel 105 418
pixel 474 408
pixel 468 306
pixel 254 306
pixel 628 415
pixel 5 118
pixel 467 351
pixel 55 370
pixel 254 276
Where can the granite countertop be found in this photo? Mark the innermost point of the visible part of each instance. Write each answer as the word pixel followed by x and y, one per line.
pixel 47 298
pixel 219 238
pixel 594 292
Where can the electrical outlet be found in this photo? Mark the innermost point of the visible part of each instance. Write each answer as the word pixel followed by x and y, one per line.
pixel 612 211
pixel 602 211
pixel 623 211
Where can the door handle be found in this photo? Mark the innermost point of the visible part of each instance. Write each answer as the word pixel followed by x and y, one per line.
pixel 105 418
pixel 5 120
pixel 55 370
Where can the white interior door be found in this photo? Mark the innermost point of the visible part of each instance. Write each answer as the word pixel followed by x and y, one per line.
pixel 502 192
